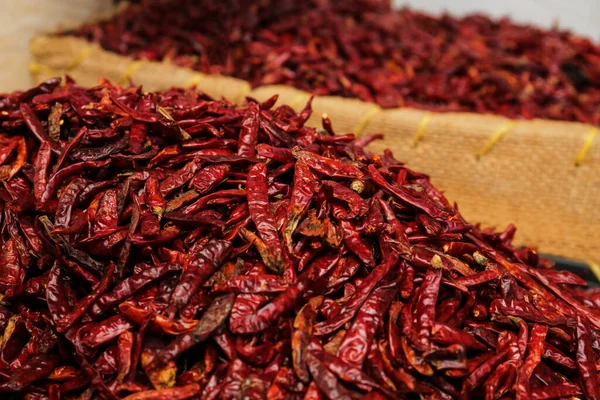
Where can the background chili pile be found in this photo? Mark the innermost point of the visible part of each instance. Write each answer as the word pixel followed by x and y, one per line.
pixel 166 245
pixel 367 50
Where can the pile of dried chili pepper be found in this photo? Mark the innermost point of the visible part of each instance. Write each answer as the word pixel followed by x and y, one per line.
pixel 367 50
pixel 171 246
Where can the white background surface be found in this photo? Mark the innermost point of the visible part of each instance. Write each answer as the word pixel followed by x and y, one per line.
pixel 581 16
pixel 21 19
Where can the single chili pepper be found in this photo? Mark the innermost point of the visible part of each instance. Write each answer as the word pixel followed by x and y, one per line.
pixel 346 372
pixel 357 340
pixel 106 216
pixel 198 205
pixel 425 307
pixel 357 245
pixel 269 313
pixel 536 348
pixel 357 205
pixel 97 333
pixel 97 153
pixel 444 334
pixel 124 353
pixel 479 278
pixel 563 277
pixel 557 356
pixel 200 267
pixel 328 166
pixel 55 294
pixel 424 257
pixel 9 144
pixel 258 205
pixel 178 393
pixel 304 189
pixel 556 391
pixel 249 131
pixel 42 163
pixel 501 380
pixel 64 173
pixel 252 284
pixel 303 325
pixel 585 360
pixel 66 202
pixel 209 177
pixel 524 310
pixel 35 126
pixel 11 272
pixel 69 319
pixel 127 287
pixel 325 380
pixel 523 335
pixel 35 368
pixel 6 171
pixel 407 195
pixel 415 360
pixel 280 154
pixel 476 377
pixel 179 178
pixel 356 299
pixel 168 233
pixel 213 318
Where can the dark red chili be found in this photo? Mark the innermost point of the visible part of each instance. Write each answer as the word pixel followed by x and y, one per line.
pixel 260 258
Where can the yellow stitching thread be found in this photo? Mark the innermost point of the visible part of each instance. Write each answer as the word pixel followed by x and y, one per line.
pixel 129 71
pixel 80 56
pixel 595 268
pixel 365 120
pixel 508 125
pixel 299 99
pixel 421 129
pixel 35 68
pixel 587 145
pixel 194 80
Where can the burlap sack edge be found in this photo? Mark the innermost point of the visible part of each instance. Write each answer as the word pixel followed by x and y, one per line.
pixel 85 61
pixel 487 144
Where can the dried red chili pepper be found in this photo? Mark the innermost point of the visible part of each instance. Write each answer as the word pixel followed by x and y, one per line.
pixel 319 273
pixel 367 50
pixel 586 360
pixel 258 205
pixel 536 347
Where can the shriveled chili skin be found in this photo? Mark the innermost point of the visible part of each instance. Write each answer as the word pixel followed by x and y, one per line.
pixel 185 263
pixel 258 205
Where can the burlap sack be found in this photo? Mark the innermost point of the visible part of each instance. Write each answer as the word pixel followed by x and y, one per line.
pixel 544 176
pixel 87 62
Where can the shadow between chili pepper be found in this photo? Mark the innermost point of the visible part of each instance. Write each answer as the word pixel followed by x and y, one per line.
pixel 575 267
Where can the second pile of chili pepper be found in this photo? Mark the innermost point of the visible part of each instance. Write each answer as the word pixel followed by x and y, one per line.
pixel 367 50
